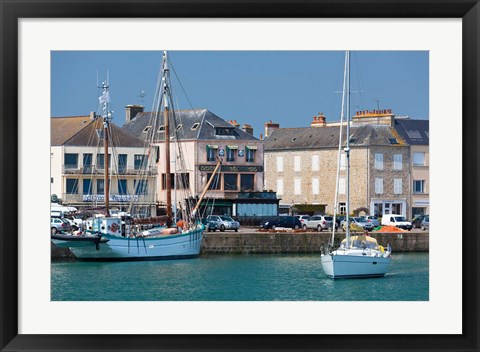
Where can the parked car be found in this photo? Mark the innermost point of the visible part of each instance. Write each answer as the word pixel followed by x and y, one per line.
pixel 396 220
pixel 320 222
pixel 372 219
pixel 223 222
pixel 425 223
pixel 290 222
pixel 59 225
pixel 358 223
pixel 417 221
pixel 209 225
pixel 303 219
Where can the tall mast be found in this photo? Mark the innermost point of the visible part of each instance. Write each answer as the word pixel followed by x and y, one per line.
pixel 106 115
pixel 168 181
pixel 347 148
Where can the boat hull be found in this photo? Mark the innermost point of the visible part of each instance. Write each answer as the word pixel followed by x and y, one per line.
pixel 343 266
pixel 180 246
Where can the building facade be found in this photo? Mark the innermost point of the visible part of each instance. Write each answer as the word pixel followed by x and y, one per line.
pixel 78 165
pixel 416 134
pixel 301 166
pixel 199 139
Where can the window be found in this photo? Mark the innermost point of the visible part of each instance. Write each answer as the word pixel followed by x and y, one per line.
pixel 379 185
pixel 51 179
pixel 315 163
pixel 418 186
pixel 71 161
pixel 87 163
pixel 122 163
pixel 178 127
pixel 279 163
pixel 183 181
pixel 212 152
pixel 418 159
pixel 87 186
pixel 397 186
pixel 140 162
pixel 101 161
pixel 392 141
pixel 141 187
pixel 146 129
pixel 216 184
pixel 100 186
pixel 341 185
pixel 247 182
pixel 72 186
pixel 298 186
pixel 161 129
pixel 343 162
pixel 250 151
pixel 378 161
pixel 397 161
pixel 122 187
pixel 297 163
pixel 343 208
pixel 315 186
pixel 230 182
pixel 195 126
pixel 224 131
pixel 231 151
pixel 280 186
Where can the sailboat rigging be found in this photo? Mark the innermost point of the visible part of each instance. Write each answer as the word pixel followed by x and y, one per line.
pixel 358 256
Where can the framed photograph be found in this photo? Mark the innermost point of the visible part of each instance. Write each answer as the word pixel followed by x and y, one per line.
pixel 32 317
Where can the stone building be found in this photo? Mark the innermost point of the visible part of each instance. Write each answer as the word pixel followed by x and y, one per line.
pixel 416 134
pixel 301 166
pixel 202 138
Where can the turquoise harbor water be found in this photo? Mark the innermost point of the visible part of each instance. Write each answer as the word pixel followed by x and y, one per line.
pixel 236 278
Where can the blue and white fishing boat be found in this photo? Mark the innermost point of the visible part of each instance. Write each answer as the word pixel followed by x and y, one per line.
pixel 109 238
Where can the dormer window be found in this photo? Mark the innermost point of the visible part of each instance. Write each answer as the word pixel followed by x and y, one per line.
pixel 195 126
pixel 146 129
pixel 392 141
pixel 224 131
pixel 161 129
pixel 178 128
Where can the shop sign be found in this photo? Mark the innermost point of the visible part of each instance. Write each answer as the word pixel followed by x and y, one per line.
pixel 231 168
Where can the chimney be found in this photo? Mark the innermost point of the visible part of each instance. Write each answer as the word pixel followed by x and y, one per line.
pixel 269 127
pixel 234 123
pixel 248 129
pixel 92 115
pixel 131 111
pixel 319 121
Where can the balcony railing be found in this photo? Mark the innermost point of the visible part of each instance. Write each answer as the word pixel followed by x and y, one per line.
pixel 114 198
pixel 88 170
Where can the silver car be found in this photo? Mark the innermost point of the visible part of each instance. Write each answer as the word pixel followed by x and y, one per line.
pixel 425 223
pixel 319 222
pixel 372 219
pixel 358 222
pixel 223 222
pixel 59 225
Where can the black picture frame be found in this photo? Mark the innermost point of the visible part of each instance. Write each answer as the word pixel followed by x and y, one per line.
pixel 12 11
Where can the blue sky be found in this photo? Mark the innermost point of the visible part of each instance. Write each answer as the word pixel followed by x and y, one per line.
pixel 288 87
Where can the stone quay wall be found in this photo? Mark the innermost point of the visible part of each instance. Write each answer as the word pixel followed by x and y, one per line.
pixel 284 242
pixel 302 242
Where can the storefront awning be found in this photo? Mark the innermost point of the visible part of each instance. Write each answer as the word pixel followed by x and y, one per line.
pixel 212 146
pixel 232 146
pixel 252 147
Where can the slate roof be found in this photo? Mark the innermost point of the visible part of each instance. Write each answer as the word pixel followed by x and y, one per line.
pixel 414 132
pixel 327 137
pixel 207 121
pixel 81 131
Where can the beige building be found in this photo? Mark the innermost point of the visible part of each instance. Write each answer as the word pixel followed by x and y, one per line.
pixel 198 140
pixel 416 134
pixel 301 166
pixel 78 165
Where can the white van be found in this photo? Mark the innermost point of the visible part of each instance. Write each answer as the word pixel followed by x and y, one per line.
pixel 396 220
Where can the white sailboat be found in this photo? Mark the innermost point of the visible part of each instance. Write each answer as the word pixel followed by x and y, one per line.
pixel 358 256
pixel 105 240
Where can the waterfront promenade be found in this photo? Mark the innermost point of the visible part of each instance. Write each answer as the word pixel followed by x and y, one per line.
pixel 252 241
